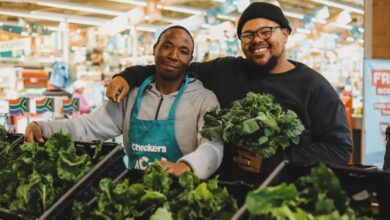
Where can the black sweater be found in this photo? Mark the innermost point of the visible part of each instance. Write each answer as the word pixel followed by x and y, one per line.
pixel 327 136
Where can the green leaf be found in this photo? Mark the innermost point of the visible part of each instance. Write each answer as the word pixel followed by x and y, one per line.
pixel 161 214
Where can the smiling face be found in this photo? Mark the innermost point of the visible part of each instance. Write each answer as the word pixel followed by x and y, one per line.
pixel 173 54
pixel 265 53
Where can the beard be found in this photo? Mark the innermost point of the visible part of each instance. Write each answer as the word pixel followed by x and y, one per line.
pixel 269 65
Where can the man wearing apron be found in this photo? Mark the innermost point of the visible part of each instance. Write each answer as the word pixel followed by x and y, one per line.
pixel 160 120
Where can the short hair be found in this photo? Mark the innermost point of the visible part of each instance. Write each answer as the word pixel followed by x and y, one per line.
pixel 176 27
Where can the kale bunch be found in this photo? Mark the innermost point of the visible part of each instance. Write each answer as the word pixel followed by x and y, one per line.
pixel 255 122
pixel 34 176
pixel 160 196
pixel 316 196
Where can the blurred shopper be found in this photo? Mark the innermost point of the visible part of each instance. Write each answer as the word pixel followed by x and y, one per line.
pixel 79 87
pixel 264 30
pixel 160 119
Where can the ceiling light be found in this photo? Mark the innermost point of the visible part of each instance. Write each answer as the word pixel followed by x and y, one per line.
pixel 28 15
pixel 79 7
pixel 182 9
pixel 71 18
pixel 350 8
pixel 133 2
pixel 293 14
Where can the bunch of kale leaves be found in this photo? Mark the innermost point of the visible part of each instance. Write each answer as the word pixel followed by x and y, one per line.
pixel 32 176
pixel 316 196
pixel 255 122
pixel 160 196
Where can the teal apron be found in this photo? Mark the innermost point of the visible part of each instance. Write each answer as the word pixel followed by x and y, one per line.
pixel 151 140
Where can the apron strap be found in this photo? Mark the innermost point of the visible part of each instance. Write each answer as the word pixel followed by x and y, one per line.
pixel 140 93
pixel 142 88
pixel 172 111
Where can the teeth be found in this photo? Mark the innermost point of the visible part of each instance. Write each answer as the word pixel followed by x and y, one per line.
pixel 260 50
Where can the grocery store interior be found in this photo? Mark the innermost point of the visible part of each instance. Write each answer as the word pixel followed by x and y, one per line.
pixel 53 50
pixel 97 39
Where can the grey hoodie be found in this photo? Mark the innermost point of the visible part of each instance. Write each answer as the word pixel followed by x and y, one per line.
pixel 112 119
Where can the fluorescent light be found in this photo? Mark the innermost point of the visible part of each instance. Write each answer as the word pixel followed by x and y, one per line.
pixel 355 9
pixel 182 9
pixel 133 2
pixel 71 18
pixel 79 7
pixel 293 14
pixel 28 15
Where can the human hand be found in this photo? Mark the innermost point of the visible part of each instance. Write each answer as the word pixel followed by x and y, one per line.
pixel 33 133
pixel 117 88
pixel 248 160
pixel 175 168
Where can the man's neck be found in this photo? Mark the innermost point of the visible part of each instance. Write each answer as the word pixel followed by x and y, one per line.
pixel 283 66
pixel 166 87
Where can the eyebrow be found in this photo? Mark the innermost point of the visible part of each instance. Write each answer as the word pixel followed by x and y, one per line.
pixel 251 31
pixel 170 42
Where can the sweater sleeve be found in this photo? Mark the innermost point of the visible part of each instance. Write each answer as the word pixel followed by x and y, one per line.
pixel 206 159
pixel 331 139
pixel 135 75
pixel 102 124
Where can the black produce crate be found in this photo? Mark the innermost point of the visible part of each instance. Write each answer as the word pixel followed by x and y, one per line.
pixel 109 149
pixel 365 185
pixel 15 139
pixel 110 167
pixel 117 171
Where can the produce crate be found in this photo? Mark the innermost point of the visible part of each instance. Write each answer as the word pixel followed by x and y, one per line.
pixel 110 167
pixel 117 171
pixel 366 186
pixel 111 150
pixel 15 139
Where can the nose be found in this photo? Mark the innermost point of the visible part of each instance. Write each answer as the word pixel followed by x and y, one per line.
pixel 173 54
pixel 257 38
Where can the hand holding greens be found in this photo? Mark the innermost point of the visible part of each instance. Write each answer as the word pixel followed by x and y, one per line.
pixel 159 196
pixel 255 122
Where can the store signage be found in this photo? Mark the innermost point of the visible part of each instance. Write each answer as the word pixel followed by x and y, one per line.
pixel 376 109
pixel 12 45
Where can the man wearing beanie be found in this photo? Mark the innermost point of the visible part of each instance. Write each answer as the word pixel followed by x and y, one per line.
pixel 264 30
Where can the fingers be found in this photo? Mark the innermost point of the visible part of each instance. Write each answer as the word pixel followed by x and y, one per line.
pixel 117 88
pixel 241 161
pixel 243 152
pixel 33 132
pixel 123 92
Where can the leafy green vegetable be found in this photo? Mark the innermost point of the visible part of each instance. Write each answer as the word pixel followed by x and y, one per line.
pixel 3 133
pixel 316 196
pixel 33 176
pixel 256 122
pixel 159 196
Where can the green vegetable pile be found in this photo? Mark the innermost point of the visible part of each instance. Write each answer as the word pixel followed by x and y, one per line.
pixel 3 133
pixel 32 177
pixel 316 196
pixel 255 122
pixel 159 196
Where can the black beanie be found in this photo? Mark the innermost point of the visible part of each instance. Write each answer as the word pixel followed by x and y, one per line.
pixel 262 10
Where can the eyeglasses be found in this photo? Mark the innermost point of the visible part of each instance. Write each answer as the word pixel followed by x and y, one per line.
pixel 263 33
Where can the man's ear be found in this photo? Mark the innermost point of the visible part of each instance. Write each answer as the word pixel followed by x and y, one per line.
pixel 285 35
pixel 154 49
